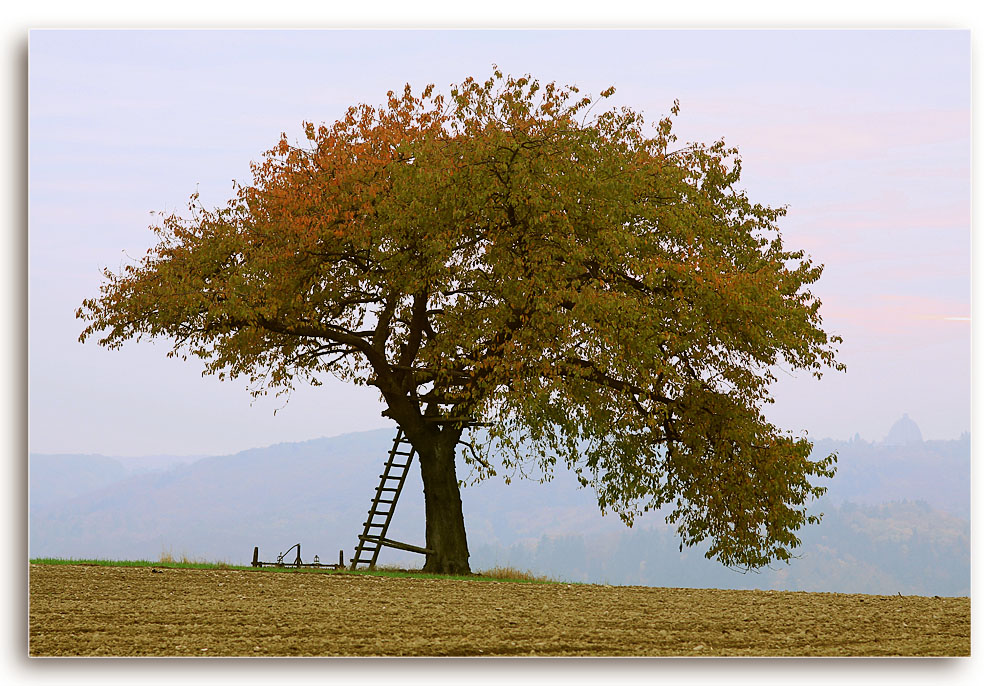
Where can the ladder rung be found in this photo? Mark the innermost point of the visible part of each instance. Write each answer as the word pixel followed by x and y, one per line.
pixel 401 465
pixel 373 511
pixel 397 478
pixel 382 500
pixel 394 490
pixel 361 562
pixel 375 524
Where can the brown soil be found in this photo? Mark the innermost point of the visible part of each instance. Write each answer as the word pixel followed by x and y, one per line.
pixel 91 610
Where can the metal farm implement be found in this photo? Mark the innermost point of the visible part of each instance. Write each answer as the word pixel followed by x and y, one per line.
pixel 315 564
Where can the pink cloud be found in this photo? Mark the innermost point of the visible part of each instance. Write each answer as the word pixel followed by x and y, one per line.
pixel 915 318
pixel 798 136
pixel 889 210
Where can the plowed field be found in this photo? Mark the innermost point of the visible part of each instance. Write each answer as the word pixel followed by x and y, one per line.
pixel 92 610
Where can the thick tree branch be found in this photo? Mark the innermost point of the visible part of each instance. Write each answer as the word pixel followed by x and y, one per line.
pixel 592 373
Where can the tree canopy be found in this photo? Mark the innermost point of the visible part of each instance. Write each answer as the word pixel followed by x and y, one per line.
pixel 524 255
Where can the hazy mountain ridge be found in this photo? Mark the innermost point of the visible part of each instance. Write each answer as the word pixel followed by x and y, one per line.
pixel 895 547
pixel 937 472
pixel 59 478
pixel 317 492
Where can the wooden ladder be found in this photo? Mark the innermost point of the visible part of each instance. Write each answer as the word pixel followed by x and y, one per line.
pixel 372 539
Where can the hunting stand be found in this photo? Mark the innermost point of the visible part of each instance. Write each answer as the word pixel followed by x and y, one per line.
pixel 373 538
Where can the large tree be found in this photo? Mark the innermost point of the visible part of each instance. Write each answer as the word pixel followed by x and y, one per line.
pixel 595 293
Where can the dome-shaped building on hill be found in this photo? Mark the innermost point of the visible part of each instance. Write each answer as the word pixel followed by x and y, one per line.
pixel 904 432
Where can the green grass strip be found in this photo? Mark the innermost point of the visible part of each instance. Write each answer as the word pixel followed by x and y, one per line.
pixel 506 576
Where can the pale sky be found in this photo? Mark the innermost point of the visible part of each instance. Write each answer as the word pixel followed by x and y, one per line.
pixel 864 135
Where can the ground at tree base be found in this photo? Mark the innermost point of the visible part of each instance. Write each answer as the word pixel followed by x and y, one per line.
pixel 135 611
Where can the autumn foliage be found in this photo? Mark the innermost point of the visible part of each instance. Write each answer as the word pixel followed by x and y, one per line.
pixel 524 256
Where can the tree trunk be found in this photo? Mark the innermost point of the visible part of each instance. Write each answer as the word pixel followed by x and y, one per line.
pixel 443 506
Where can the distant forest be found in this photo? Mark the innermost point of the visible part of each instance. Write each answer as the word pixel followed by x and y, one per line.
pixel 896 517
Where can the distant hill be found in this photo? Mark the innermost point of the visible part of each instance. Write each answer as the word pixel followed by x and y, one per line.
pixel 54 479
pixel 936 472
pixel 313 492
pixel 902 547
pixel 317 493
